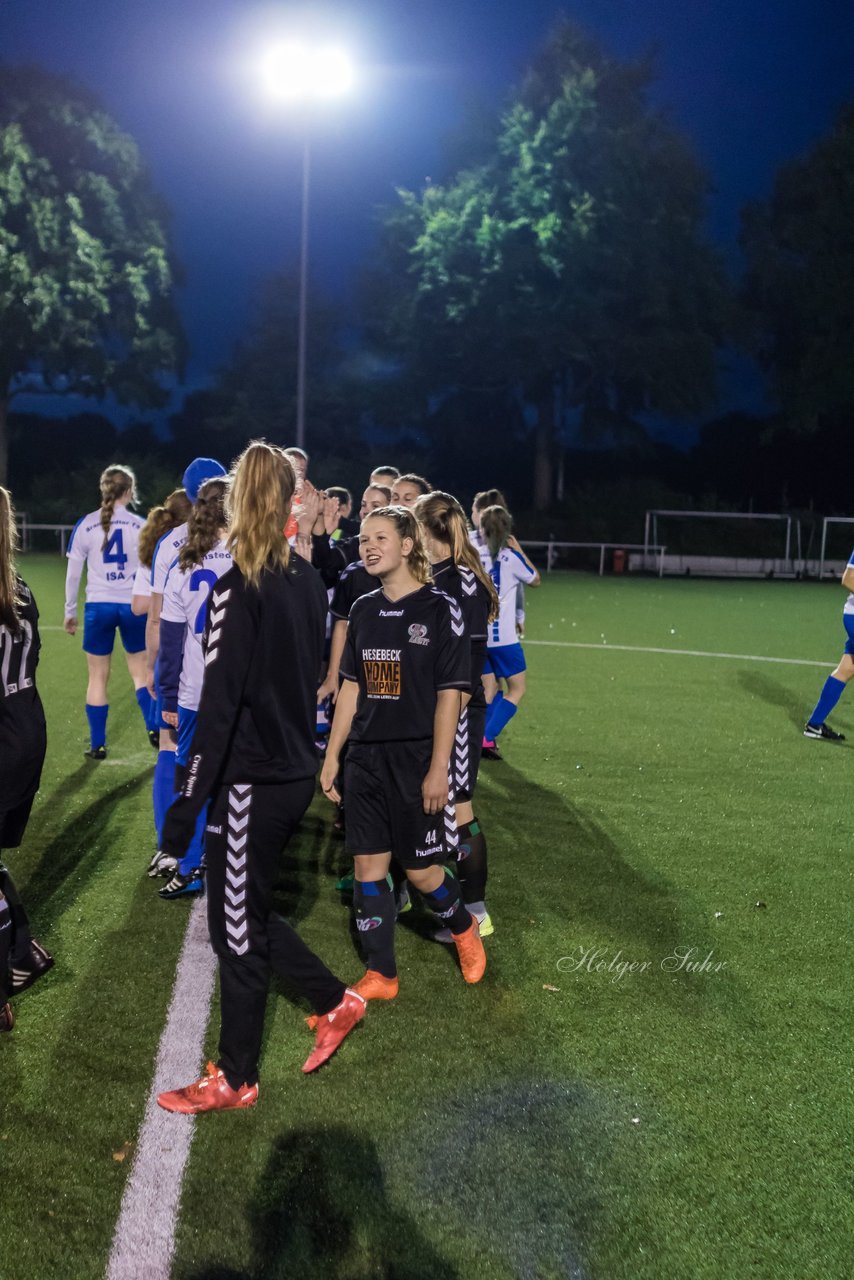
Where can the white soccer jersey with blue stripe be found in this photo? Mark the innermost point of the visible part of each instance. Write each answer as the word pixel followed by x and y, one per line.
pixel 165 555
pixel 849 603
pixel 110 565
pixel 507 570
pixel 185 600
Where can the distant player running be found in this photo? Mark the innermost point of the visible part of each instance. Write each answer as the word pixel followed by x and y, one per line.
pixel 834 685
pixel 105 543
pixel 405 665
pixel 505 660
pixel 201 562
pixel 23 740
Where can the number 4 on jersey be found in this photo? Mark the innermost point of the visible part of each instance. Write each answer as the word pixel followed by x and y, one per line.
pixel 114 551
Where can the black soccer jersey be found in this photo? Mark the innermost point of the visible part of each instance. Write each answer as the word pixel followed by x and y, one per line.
pixel 401 653
pixel 22 724
pixel 467 589
pixel 354 582
pixel 263 650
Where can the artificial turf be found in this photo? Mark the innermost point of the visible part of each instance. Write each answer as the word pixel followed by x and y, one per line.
pixel 560 1120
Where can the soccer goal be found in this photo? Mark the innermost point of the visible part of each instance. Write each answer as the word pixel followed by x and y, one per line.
pixel 832 559
pixel 726 543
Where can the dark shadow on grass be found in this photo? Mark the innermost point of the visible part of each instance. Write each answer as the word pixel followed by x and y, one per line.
pixel 320 1212
pixel 775 694
pixel 74 853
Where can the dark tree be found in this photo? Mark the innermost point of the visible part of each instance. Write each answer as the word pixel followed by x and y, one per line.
pixel 86 272
pixel 568 271
pixel 799 283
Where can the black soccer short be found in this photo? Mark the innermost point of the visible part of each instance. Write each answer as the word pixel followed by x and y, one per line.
pixel 385 808
pixel 468 742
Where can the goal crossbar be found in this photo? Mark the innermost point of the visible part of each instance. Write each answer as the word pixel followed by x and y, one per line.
pixel 650 530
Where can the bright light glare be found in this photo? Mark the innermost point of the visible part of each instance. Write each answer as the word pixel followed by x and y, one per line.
pixel 294 72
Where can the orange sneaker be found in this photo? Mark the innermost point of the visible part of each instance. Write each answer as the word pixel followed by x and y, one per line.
pixel 211 1093
pixel 333 1027
pixel 371 986
pixel 472 953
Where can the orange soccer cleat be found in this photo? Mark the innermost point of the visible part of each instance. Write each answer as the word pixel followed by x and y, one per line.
pixel 371 986
pixel 471 952
pixel 211 1093
pixel 333 1027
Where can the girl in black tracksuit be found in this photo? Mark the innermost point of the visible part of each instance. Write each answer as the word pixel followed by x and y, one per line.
pixel 253 756
pixel 23 741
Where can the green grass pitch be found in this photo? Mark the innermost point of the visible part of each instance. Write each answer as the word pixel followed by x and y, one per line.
pixel 561 1120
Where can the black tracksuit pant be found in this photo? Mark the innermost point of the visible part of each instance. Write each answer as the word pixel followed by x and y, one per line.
pixel 15 936
pixel 248 827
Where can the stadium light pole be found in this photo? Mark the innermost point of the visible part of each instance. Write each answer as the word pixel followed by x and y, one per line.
pixel 302 75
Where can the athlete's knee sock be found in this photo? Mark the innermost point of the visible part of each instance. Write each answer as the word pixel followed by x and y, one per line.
pixel 492 710
pixel 498 717
pixel 97 717
pixel 447 905
pixel 195 855
pixel 830 695
pixel 471 863
pixel 376 911
pixel 146 705
pixel 163 791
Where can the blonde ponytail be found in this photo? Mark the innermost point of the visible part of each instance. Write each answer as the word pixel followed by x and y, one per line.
pixel 444 519
pixel 261 489
pixel 9 594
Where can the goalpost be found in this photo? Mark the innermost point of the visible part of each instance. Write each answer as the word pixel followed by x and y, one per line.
pixel 785 563
pixel 828 520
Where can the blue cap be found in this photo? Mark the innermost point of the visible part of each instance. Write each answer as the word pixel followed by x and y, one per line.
pixel 200 470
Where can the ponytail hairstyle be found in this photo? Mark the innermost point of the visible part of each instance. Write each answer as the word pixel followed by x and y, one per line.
pixel 10 600
pixel 407 526
pixel 115 482
pixel 496 525
pixel 260 492
pixel 488 498
pixel 205 522
pixel 444 519
pixel 175 510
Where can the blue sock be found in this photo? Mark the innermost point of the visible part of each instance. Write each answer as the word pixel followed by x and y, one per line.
pixel 195 855
pixel 830 695
pixel 97 717
pixel 504 712
pixel 490 712
pixel 163 791
pixel 146 705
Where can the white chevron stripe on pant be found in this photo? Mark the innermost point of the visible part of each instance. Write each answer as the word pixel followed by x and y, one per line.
pixel 236 924
pixel 461 752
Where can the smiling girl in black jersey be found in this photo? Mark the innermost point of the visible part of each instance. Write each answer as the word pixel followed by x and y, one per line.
pixel 405 665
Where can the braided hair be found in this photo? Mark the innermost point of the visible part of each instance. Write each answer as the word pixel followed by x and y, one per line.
pixel 116 482
pixel 206 521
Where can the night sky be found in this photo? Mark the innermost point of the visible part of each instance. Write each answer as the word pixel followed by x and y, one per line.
pixel 752 83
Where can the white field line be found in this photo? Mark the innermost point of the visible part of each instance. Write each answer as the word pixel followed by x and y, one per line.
pixel 604 647
pixel 144 1239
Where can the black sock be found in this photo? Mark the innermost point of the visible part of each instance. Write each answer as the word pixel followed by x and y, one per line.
pixel 376 912
pixel 471 862
pixel 447 905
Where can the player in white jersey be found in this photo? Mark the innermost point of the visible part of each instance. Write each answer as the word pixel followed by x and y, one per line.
pixel 105 543
pixel 508 566
pixel 203 559
pixel 199 470
pixel 834 685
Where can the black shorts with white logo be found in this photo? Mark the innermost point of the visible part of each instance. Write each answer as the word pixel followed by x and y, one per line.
pixel 385 808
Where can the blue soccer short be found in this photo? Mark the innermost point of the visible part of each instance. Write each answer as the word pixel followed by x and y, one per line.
pixel 504 661
pixel 99 628
pixel 848 624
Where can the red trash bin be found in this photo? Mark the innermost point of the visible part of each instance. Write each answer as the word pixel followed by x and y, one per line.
pixel 619 560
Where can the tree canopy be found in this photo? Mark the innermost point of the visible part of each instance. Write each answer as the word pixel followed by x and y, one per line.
pixel 568 270
pixel 799 282
pixel 86 271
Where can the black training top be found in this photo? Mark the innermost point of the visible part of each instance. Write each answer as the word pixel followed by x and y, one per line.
pixel 402 653
pixel 354 582
pixel 466 588
pixel 22 724
pixel 263 651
